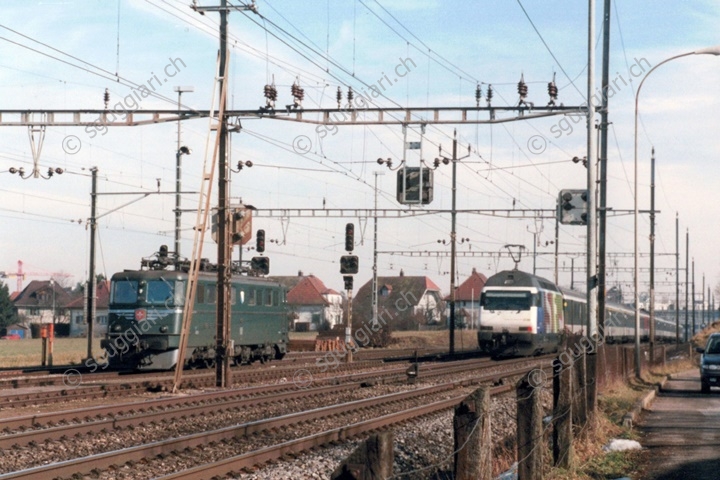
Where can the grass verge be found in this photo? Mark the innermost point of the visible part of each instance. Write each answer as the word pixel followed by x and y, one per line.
pixel 28 352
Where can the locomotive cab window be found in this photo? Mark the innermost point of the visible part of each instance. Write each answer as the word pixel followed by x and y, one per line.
pixel 160 292
pixel 125 291
pixel 268 298
pixel 507 300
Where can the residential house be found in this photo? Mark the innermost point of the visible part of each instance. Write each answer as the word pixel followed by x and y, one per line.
pixel 467 300
pixel 41 301
pixel 78 307
pixel 405 302
pixel 313 306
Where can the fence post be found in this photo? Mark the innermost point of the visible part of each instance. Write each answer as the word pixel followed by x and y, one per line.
pixel 473 443
pixel 591 382
pixel 579 408
pixel 529 428
pixel 371 460
pixel 563 452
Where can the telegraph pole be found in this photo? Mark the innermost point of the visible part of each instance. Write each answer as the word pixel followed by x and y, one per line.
pixel 223 346
pixel 222 360
pixel 90 318
pixel 453 234
pixel 375 254
pixel 693 298
pixel 687 283
pixel 592 278
pixel 603 160
pixel 652 256
pixel 677 279
pixel 178 172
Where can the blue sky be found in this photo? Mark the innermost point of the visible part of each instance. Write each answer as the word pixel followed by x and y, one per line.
pixel 451 46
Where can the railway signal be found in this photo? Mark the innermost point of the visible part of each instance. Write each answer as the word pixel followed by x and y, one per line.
pixel 349 264
pixel 408 186
pixel 350 237
pixel 260 265
pixel 260 241
pixel 573 207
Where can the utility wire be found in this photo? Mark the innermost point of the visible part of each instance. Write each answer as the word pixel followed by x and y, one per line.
pixel 469 76
pixel 582 95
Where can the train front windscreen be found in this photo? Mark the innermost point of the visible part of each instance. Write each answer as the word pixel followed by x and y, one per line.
pixel 150 292
pixel 506 300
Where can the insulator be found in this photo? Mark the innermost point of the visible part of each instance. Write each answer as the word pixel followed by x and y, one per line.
pixel 350 95
pixel 339 97
pixel 478 95
pixel 489 94
pixel 297 92
pixel 270 92
pixel 522 87
pixel 106 98
pixel 552 90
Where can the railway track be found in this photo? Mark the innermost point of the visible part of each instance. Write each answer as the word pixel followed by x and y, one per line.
pixel 110 413
pixel 80 386
pixel 62 375
pixel 255 458
pixel 194 406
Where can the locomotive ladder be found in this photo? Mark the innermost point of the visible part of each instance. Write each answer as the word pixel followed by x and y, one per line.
pixel 201 220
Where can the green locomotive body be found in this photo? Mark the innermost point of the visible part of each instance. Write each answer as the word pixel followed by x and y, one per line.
pixel 146 313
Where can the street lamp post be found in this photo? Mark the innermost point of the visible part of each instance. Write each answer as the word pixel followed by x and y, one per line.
pixel 703 51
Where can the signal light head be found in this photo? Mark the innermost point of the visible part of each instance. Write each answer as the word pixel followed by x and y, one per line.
pixel 260 241
pixel 349 264
pixel 349 237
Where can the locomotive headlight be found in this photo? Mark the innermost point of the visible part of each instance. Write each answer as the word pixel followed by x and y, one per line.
pixel 116 327
pixel 163 329
pixel 713 367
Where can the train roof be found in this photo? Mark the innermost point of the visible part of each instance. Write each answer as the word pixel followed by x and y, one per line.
pixel 180 275
pixel 516 278
pixel 582 297
pixel 150 274
pixel 571 293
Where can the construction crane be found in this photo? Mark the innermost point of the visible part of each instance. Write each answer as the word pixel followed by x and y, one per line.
pixel 20 275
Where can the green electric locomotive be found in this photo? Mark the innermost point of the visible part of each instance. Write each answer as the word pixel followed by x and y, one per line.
pixel 146 312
